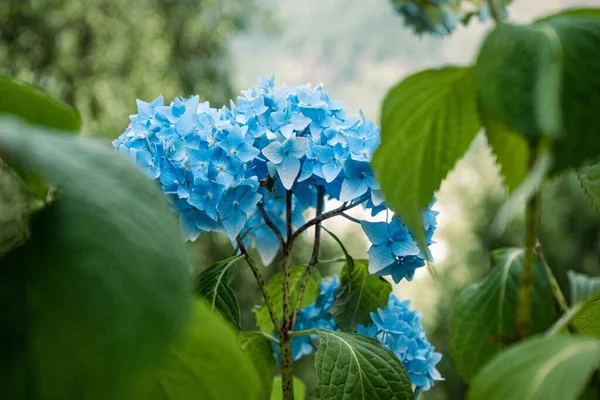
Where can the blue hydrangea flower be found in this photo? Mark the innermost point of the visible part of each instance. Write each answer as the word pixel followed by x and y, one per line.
pixel 216 165
pixel 441 17
pixel 399 328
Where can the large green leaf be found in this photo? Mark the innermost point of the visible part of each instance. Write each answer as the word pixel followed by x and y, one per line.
pixel 589 176
pixel 212 285
pixel 358 295
pixel 428 122
pixel 299 389
pixel 275 288
pixel 483 322
pixel 542 80
pixel 542 368
pixel 511 150
pixel 34 106
pixel 260 353
pixel 582 287
pixel 585 291
pixel 204 363
pixel 102 284
pixel 352 366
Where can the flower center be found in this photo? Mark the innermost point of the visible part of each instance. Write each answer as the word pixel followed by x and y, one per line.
pixel 236 203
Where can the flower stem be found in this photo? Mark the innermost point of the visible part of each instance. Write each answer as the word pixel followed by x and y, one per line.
pixel 314 259
pixel 285 341
pixel 261 283
pixel 494 12
pixel 531 233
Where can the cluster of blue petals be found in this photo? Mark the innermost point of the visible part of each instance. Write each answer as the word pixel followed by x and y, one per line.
pixel 397 327
pixel 216 165
pixel 441 17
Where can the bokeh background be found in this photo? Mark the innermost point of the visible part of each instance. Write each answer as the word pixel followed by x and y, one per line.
pixel 100 55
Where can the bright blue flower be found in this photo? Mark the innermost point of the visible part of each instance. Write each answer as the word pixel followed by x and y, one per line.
pixel 205 196
pixel 234 207
pixel 331 159
pixel 359 178
pixel 286 157
pixel 239 147
pixel 399 328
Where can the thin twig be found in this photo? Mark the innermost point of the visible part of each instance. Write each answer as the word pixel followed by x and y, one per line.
pixel 314 259
pixel 329 214
pixel 304 333
pixel 270 223
pixel 351 218
pixel 261 284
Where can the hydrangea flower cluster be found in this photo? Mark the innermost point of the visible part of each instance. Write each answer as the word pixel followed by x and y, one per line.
pixel 399 328
pixel 394 251
pixel 216 165
pixel 440 17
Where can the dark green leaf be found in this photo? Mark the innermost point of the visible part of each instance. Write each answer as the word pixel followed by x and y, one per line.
pixel 510 149
pixel 212 285
pixel 358 295
pixel 428 122
pixel 259 351
pixel 205 363
pixel 103 281
pixel 352 366
pixel 483 322
pixel 349 259
pixel 585 293
pixel 589 176
pixel 542 368
pixel 275 287
pixel 582 287
pixel 34 106
pixel 542 80
pixel 299 389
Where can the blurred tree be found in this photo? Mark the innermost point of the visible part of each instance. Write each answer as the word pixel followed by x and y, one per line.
pixel 100 55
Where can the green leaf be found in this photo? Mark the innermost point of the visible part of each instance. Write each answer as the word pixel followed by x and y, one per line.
pixel 541 80
pixel 36 107
pixel 582 287
pixel 585 291
pixel 259 351
pixel 510 149
pixel 352 366
pixel 589 176
pixel 212 285
pixel 428 122
pixel 483 321
pixel 102 285
pixel 299 389
pixel 275 288
pixel 542 368
pixel 349 259
pixel 204 363
pixel 358 295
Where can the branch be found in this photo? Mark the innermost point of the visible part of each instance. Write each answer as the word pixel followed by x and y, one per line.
pixel 314 259
pixel 270 224
pixel 261 284
pixel 329 214
pixel 494 12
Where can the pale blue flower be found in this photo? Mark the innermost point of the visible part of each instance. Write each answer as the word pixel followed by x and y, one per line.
pixel 286 157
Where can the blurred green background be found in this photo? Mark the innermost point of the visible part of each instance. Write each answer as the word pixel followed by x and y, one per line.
pixel 100 55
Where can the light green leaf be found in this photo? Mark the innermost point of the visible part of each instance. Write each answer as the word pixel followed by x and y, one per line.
pixel 510 149
pixel 585 298
pixel 352 366
pixel 204 363
pixel 542 368
pixel 428 122
pixel 299 389
pixel 483 321
pixel 212 285
pixel 541 80
pixel 275 288
pixel 34 106
pixel 358 295
pixel 260 353
pixel 589 176
pixel 103 283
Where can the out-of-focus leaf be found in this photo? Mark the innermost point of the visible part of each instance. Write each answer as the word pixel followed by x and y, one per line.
pixel 205 363
pixel 103 283
pixel 589 176
pixel 260 353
